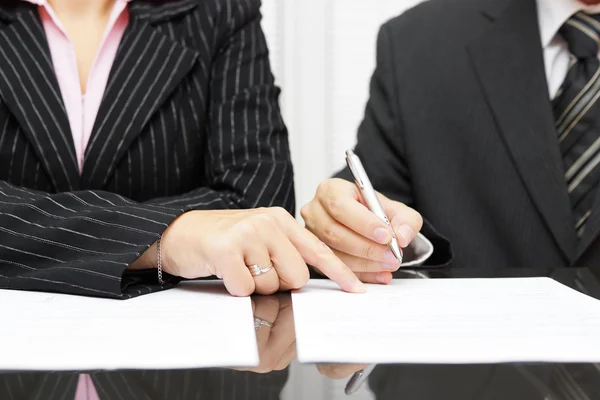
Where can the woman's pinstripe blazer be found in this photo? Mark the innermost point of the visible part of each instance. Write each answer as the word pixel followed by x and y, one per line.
pixel 189 120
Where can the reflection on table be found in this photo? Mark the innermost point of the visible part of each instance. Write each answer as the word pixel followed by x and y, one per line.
pixel 276 344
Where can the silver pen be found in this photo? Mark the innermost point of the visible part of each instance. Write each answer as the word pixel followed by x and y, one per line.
pixel 370 197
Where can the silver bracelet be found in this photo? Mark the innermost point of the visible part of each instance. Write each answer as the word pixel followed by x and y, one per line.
pixel 159 262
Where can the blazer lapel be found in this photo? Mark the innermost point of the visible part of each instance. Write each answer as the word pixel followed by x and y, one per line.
pixel 509 62
pixel 148 67
pixel 29 87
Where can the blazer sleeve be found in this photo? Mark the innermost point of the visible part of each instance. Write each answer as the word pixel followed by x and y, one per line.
pixel 380 144
pixel 82 242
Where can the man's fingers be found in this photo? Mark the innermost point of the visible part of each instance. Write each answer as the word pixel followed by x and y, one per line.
pixel 381 278
pixel 351 213
pixel 342 239
pixel 339 371
pixel 405 221
pixel 358 264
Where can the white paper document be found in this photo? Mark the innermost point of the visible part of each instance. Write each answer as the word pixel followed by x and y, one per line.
pixel 197 324
pixel 447 321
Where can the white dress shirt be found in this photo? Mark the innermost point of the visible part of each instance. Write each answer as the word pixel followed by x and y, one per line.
pixel 552 14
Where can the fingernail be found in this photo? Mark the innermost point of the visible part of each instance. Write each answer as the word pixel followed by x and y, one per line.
pixel 390 258
pixel 381 278
pixel 406 233
pixel 392 267
pixel 382 235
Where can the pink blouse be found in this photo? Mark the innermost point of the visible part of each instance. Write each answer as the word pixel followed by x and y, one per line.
pixel 82 108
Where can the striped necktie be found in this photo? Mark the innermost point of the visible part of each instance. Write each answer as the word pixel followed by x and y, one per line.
pixel 577 113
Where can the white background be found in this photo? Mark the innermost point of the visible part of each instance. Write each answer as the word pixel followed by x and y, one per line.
pixel 323 54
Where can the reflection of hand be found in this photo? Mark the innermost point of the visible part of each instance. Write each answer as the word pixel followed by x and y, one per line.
pixel 338 216
pixel 339 371
pixel 276 343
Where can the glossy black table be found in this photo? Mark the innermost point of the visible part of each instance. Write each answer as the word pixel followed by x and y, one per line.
pixel 276 345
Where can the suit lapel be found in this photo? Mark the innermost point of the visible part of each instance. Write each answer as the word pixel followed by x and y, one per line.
pixel 29 87
pixel 509 62
pixel 148 67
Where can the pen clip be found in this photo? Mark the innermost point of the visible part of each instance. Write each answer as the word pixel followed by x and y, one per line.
pixel 350 160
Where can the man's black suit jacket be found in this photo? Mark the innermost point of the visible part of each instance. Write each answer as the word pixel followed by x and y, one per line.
pixel 189 120
pixel 459 125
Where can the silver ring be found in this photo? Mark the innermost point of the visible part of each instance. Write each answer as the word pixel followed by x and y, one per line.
pixel 256 270
pixel 261 322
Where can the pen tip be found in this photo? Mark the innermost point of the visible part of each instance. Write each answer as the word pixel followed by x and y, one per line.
pixel 396 250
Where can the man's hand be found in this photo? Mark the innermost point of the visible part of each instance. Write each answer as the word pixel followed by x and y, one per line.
pixel 338 216
pixel 339 371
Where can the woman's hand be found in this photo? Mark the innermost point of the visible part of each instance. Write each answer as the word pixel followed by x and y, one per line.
pixel 275 336
pixel 226 243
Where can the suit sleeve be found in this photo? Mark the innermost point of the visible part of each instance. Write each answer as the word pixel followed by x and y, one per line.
pixel 82 242
pixel 380 144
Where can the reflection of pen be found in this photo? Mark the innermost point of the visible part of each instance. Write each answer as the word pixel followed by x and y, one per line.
pixel 358 379
pixel 370 197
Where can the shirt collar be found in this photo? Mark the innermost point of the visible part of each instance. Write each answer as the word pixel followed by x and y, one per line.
pixel 552 14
